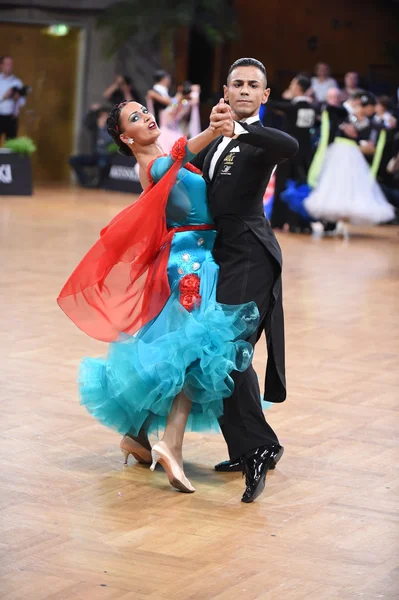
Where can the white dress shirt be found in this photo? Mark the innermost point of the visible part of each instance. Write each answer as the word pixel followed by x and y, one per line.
pixel 238 130
pixel 161 90
pixel 321 88
pixel 8 105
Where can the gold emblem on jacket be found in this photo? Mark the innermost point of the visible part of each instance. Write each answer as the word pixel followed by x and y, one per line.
pixel 229 158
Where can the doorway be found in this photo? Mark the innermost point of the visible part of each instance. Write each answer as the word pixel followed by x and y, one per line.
pixel 48 64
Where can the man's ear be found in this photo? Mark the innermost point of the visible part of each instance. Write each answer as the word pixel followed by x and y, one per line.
pixel 266 95
pixel 226 93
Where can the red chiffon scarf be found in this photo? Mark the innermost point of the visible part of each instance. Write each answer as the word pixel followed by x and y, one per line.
pixel 122 283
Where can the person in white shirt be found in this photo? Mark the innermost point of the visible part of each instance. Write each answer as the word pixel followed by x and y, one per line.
pixel 322 81
pixel 10 98
pixel 351 85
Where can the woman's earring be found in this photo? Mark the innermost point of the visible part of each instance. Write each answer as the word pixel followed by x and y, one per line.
pixel 130 141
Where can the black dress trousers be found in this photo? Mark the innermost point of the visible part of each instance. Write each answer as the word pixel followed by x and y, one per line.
pixel 247 273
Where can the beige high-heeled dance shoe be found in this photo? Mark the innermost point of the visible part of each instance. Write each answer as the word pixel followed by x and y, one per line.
pixel 139 452
pixel 161 453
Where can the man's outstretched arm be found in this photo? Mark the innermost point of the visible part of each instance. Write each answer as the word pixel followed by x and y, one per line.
pixel 277 145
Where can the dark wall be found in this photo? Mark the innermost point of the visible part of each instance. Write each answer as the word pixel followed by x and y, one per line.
pixel 292 35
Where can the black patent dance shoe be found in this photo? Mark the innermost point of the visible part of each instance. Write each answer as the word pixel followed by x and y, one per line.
pixel 256 467
pixel 229 466
pixel 234 466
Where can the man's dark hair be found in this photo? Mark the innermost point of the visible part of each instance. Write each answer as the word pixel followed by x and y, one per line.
pixel 248 62
pixel 159 75
pixel 356 95
pixel 365 98
pixel 303 82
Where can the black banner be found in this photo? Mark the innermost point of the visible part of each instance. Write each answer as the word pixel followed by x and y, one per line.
pixel 123 176
pixel 15 175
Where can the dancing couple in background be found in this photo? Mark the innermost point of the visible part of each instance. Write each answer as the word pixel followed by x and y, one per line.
pixel 183 282
pixel 181 117
pixel 343 173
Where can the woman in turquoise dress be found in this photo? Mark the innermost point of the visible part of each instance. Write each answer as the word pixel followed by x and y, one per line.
pixel 149 287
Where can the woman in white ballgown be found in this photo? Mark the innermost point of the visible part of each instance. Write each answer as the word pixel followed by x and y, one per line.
pixel 347 189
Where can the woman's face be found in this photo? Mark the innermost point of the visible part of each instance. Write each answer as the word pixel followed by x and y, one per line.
pixel 322 70
pixel 137 123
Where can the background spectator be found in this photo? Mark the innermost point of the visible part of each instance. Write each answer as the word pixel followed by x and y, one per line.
pixel 182 117
pixel 158 96
pixel 121 90
pixel 322 81
pixel 351 85
pixel 12 97
pixel 96 122
pixel 383 115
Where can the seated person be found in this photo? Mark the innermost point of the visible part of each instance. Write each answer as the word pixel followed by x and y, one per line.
pixel 96 122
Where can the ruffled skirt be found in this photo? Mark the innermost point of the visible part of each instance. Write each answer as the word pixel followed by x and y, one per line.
pixel 194 352
pixel 347 190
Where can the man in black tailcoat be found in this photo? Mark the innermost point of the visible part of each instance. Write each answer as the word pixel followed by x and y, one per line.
pixel 237 167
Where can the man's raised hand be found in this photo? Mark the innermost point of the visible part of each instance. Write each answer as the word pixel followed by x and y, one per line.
pixel 221 119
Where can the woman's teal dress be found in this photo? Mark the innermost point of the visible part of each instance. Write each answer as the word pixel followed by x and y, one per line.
pixel 189 349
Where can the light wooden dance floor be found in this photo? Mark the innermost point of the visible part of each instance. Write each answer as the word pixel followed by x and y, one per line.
pixel 78 525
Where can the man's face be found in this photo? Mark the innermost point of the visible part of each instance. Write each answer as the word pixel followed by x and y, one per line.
pixel 245 91
pixel 333 97
pixel 357 107
pixel 7 66
pixel 351 80
pixel 369 110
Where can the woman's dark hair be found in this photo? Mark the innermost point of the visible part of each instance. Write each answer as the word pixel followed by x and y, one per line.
pixel 186 88
pixel 114 129
pixel 385 101
pixel 159 75
pixel 128 80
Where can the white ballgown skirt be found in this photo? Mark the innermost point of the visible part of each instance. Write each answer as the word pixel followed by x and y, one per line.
pixel 347 190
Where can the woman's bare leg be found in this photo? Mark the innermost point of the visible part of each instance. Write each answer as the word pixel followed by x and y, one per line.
pixel 176 425
pixel 142 436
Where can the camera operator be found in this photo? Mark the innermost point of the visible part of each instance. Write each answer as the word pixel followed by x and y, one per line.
pixel 12 97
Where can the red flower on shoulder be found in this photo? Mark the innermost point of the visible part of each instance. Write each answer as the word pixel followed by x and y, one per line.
pixel 178 151
pixel 189 283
